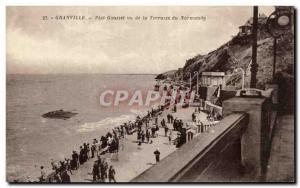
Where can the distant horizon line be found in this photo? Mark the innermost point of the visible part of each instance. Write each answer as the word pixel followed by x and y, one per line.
pixel 82 73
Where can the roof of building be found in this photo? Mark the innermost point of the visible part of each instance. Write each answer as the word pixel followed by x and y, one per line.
pixel 261 19
pixel 213 73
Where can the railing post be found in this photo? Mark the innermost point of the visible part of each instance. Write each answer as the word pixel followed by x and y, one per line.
pixel 252 152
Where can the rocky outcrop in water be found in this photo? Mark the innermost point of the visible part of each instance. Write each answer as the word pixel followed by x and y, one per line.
pixel 59 114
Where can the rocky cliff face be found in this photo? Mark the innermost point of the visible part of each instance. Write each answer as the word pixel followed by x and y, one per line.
pixel 237 53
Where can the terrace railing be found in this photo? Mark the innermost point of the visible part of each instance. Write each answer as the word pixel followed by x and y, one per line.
pixel 193 159
pixel 237 149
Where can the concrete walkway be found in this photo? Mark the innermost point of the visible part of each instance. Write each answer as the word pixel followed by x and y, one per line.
pixel 132 159
pixel 281 162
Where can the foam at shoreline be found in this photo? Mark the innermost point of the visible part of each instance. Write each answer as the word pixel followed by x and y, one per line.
pixel 110 122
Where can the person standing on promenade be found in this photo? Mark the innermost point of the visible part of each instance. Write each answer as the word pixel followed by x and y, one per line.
pixel 175 124
pixel 157 154
pixel 105 170
pixel 75 161
pixel 57 178
pixel 193 117
pixel 54 165
pixel 166 130
pixel 170 139
pixel 102 170
pixel 180 124
pixel 201 127
pixel 96 172
pixel 43 174
pixel 85 150
pixel 143 136
pixel 163 122
pixel 153 130
pixel 65 177
pixel 88 156
pixel 111 174
pixel 124 130
pixel 81 155
pixel 169 118
pixel 139 143
pixel 156 120
pixel 68 165
pixel 148 135
pixel 93 150
pixel 156 130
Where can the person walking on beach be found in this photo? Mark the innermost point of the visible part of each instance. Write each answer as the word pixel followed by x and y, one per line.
pixel 111 174
pixel 157 154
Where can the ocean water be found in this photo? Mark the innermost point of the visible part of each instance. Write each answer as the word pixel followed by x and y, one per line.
pixel 32 141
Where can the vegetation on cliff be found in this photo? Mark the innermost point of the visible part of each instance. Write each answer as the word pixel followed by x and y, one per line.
pixel 237 53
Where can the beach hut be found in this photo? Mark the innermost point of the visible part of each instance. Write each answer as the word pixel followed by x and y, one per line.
pixel 190 133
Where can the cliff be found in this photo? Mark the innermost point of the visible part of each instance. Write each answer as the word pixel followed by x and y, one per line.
pixel 168 74
pixel 237 53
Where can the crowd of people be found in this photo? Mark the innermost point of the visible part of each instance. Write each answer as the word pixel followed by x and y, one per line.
pixel 109 143
pixel 146 129
pixel 101 171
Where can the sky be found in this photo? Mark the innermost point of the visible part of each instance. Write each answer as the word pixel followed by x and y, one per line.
pixel 37 46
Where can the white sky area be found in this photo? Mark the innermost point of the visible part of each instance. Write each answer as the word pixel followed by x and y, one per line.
pixel 35 46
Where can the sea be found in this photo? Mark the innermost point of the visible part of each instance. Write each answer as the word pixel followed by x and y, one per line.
pixel 32 141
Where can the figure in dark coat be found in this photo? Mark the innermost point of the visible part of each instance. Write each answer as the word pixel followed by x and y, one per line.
pixel 96 172
pixel 75 161
pixel 65 177
pixel 111 174
pixel 157 154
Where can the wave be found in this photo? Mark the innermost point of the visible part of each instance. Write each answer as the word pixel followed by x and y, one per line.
pixel 110 122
